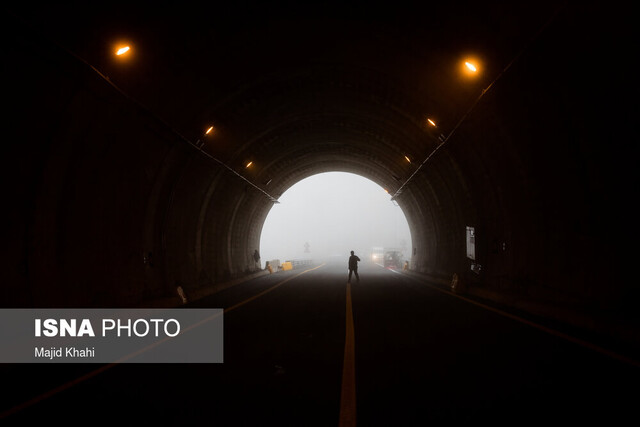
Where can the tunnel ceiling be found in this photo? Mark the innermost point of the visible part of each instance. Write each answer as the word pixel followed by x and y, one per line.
pixel 299 90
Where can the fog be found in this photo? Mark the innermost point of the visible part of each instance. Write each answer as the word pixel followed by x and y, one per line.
pixel 326 216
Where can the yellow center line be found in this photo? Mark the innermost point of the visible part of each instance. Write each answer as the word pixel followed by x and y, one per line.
pixel 348 395
pixel 103 368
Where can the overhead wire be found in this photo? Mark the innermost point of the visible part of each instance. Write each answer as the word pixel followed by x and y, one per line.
pixel 443 141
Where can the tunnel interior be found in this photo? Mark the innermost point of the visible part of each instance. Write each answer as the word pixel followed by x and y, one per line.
pixel 117 195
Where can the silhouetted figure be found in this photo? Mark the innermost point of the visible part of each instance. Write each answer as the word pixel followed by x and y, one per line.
pixel 256 257
pixel 353 266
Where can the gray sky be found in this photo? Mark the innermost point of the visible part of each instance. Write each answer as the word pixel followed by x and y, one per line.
pixel 335 213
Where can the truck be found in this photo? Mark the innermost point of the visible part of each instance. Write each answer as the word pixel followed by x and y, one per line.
pixel 392 259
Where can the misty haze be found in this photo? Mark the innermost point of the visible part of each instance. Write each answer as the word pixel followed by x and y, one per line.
pixel 326 216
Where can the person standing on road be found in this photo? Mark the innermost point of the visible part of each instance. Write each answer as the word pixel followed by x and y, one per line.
pixel 353 266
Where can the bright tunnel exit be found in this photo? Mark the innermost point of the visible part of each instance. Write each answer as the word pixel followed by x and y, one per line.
pixel 326 216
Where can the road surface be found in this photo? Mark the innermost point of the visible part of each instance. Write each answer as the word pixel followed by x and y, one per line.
pixel 305 348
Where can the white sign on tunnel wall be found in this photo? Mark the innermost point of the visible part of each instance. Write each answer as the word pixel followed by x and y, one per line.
pixel 471 243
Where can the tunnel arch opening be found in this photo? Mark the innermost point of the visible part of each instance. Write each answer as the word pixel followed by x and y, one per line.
pixel 324 216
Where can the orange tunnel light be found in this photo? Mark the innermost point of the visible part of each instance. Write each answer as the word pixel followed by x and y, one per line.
pixel 123 50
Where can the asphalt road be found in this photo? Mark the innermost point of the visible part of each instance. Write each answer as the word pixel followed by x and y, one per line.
pixel 302 348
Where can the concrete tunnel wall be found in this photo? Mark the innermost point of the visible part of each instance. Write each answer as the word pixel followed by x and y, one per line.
pixel 536 170
pixel 110 207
